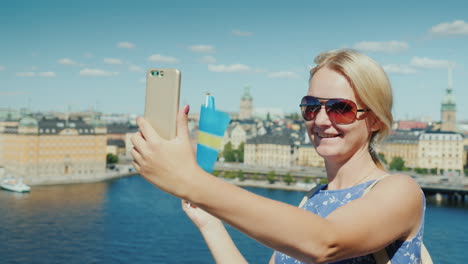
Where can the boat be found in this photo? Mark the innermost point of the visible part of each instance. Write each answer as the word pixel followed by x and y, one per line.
pixel 14 185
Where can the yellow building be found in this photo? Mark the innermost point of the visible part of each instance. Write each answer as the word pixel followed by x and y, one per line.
pixel 403 145
pixel 307 156
pixel 54 150
pixel 441 150
pixel 269 151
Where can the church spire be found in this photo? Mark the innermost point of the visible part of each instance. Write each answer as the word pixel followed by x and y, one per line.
pixel 448 106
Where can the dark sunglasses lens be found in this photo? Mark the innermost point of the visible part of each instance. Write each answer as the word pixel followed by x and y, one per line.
pixel 309 112
pixel 341 111
pixel 310 106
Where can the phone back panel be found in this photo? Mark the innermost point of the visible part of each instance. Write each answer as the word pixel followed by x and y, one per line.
pixel 162 100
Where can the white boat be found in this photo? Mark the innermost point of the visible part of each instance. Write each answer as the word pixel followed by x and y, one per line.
pixel 14 185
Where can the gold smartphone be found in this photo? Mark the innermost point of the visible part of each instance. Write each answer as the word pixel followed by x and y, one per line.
pixel 162 100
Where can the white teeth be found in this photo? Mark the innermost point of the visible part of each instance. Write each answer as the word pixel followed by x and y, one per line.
pixel 322 135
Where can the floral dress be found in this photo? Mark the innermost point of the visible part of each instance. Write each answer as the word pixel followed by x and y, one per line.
pixel 324 202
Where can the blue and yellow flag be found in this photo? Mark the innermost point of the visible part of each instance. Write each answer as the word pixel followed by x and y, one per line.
pixel 211 128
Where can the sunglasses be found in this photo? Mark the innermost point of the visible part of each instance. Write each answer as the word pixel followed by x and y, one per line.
pixel 339 111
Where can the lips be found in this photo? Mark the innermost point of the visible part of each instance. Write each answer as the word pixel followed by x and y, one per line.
pixel 326 135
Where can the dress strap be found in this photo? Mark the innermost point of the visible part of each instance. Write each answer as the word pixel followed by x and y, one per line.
pixel 368 188
pixel 310 193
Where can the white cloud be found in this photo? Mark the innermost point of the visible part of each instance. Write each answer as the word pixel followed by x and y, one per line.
pixel 135 68
pixel 458 27
pixel 2 68
pixel 202 48
pixel 208 60
pixel 25 74
pixel 423 62
pixel 283 74
pixel 399 68
pixel 240 33
pixel 67 61
pixel 125 45
pixel 228 68
pixel 162 59
pixel 113 61
pixel 97 73
pixel 46 74
pixel 386 47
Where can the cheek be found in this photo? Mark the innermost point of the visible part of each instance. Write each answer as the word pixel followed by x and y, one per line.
pixel 308 126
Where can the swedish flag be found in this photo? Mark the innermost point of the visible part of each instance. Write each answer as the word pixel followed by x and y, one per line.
pixel 211 128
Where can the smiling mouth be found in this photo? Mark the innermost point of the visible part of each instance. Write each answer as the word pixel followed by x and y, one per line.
pixel 325 135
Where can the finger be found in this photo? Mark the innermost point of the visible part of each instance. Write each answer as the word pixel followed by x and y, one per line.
pixel 138 142
pixel 147 130
pixel 182 123
pixel 136 155
pixel 188 204
pixel 136 166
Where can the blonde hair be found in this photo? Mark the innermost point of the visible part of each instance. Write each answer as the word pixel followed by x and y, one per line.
pixel 370 84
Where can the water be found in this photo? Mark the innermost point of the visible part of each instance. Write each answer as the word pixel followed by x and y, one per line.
pixel 130 221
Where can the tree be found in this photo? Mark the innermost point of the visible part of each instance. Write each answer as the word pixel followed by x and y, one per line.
pixel 228 153
pixel 240 175
pixel 397 163
pixel 216 173
pixel 255 176
pixel 112 159
pixel 230 175
pixel 240 152
pixel 271 177
pixel 307 179
pixel 382 157
pixel 288 179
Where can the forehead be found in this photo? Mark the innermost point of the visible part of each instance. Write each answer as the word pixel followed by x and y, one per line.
pixel 327 83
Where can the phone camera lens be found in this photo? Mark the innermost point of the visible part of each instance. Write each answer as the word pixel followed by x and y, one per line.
pixel 155 73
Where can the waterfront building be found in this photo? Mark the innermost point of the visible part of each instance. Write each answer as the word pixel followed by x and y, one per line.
pixel 234 134
pixel 51 150
pixel 308 157
pixel 448 107
pixel 116 147
pixel 5 126
pixel 441 150
pixel 403 144
pixel 246 105
pixel 410 125
pixel 270 151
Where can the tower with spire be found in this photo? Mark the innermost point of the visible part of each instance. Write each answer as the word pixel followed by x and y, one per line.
pixel 246 105
pixel 448 107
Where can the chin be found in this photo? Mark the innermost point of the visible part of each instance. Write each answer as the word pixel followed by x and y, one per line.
pixel 328 152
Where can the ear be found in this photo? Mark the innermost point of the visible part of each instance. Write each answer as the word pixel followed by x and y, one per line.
pixel 375 123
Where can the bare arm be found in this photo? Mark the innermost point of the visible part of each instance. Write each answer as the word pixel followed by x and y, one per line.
pixel 215 234
pixel 352 230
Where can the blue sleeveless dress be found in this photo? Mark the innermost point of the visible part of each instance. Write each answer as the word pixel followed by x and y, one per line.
pixel 324 202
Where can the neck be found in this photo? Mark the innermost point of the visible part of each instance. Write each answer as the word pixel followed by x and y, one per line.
pixel 352 171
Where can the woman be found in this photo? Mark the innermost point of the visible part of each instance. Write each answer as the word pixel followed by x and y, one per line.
pixel 347 109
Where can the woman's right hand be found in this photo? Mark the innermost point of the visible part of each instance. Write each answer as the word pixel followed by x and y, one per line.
pixel 199 217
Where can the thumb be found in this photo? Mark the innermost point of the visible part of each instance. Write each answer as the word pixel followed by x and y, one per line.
pixel 182 122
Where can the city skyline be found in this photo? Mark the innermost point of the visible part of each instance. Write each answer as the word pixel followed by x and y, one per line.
pixel 83 55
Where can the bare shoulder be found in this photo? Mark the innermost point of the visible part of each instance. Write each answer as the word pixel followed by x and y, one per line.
pixel 399 183
pixel 399 190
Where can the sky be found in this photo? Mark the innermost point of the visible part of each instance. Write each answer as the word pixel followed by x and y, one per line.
pixel 80 55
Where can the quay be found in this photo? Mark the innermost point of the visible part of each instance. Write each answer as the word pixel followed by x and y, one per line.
pixel 305 178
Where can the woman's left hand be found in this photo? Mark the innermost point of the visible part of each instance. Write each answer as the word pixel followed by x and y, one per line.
pixel 168 164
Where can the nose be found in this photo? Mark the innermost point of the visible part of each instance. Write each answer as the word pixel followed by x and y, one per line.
pixel 322 118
